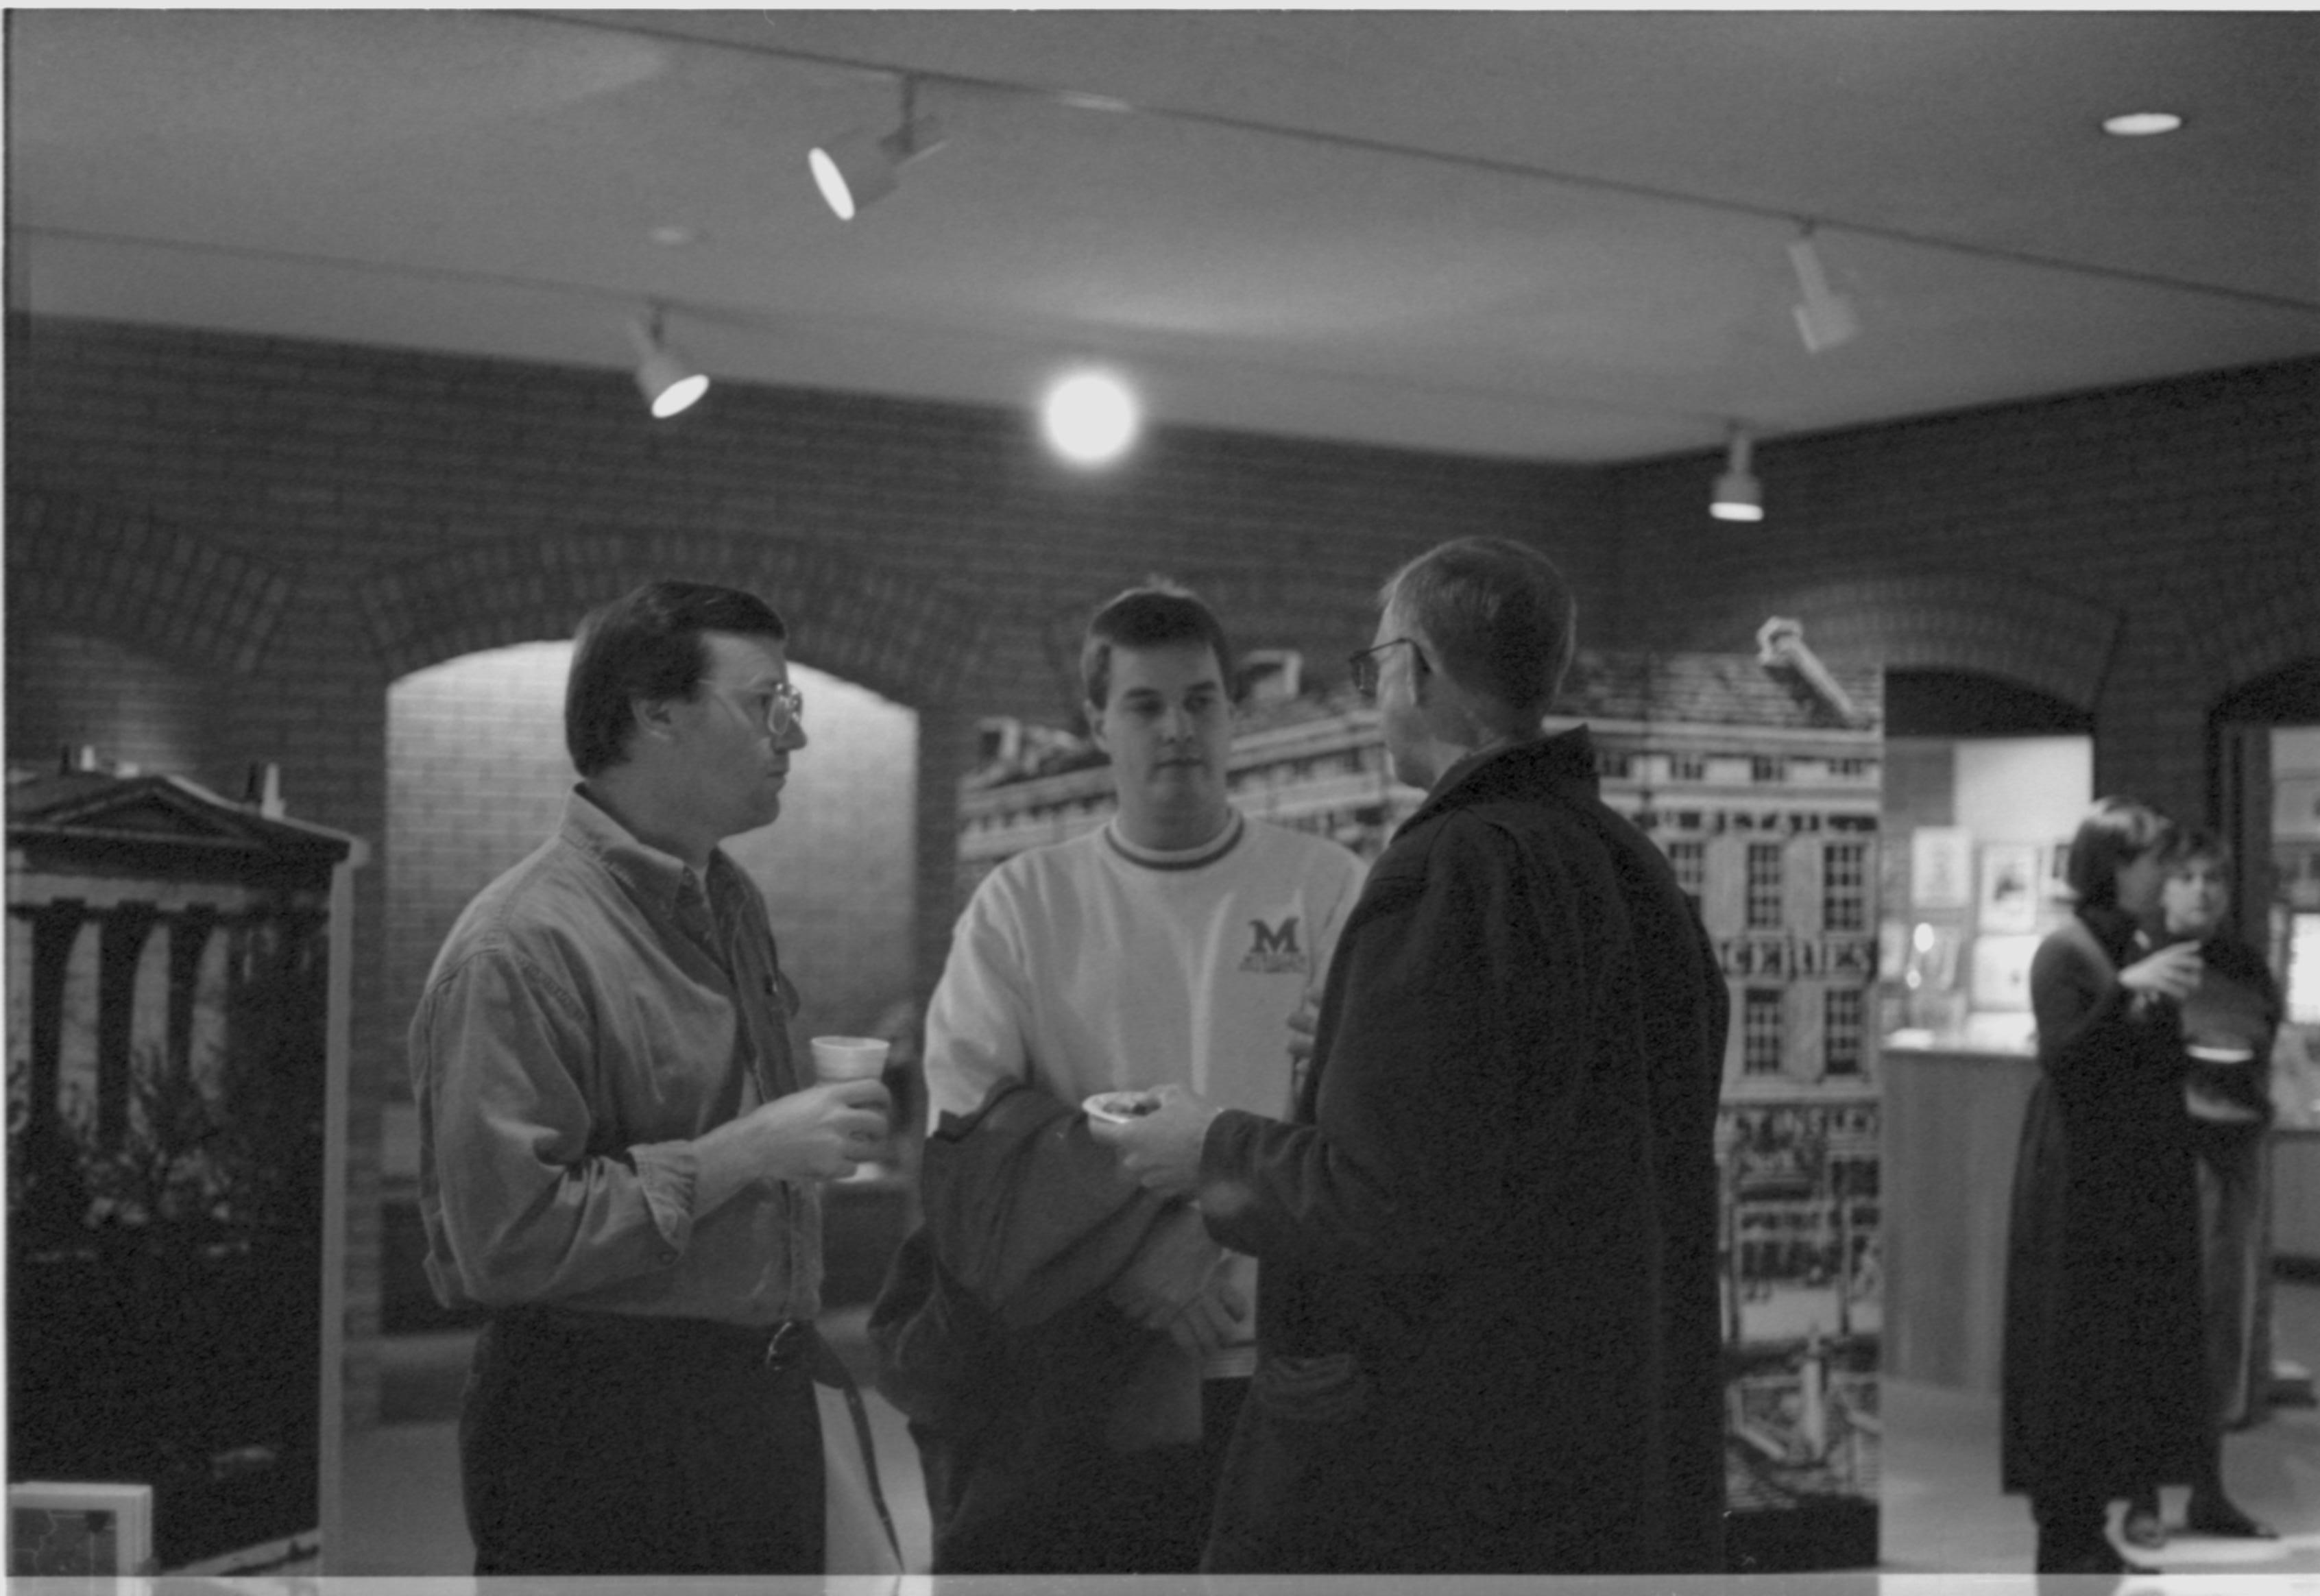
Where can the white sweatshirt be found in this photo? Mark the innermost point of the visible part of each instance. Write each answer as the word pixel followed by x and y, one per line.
pixel 1090 965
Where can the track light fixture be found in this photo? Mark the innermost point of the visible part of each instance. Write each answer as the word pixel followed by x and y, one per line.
pixel 670 381
pixel 1824 316
pixel 855 172
pixel 1737 497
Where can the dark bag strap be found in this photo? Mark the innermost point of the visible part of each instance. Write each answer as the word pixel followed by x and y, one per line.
pixel 830 1371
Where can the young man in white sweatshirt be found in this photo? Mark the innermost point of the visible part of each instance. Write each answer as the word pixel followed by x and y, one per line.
pixel 1172 944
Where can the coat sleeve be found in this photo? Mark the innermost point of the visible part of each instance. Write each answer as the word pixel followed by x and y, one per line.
pixel 2076 997
pixel 1454 1036
pixel 1025 1207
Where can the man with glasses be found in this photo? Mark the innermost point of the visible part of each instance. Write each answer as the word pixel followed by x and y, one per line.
pixel 1173 943
pixel 619 1155
pixel 1488 1340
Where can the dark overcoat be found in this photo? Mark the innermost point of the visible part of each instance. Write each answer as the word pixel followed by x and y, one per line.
pixel 1487 1321
pixel 2101 1396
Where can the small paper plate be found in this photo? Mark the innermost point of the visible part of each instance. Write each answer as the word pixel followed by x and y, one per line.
pixel 2207 1054
pixel 1119 1108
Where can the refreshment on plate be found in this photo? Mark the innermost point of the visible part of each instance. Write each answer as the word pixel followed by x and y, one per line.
pixel 1120 1107
pixel 849 1058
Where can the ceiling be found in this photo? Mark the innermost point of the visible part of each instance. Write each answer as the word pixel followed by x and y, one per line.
pixel 1548 234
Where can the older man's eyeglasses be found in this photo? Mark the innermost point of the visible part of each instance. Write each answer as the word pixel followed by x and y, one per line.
pixel 1362 664
pixel 784 708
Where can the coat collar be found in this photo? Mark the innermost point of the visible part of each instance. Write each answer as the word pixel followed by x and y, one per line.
pixel 1534 770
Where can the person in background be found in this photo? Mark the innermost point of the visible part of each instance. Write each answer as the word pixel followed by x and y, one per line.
pixel 1175 943
pixel 2229 1021
pixel 1488 1340
pixel 619 1154
pixel 2100 1398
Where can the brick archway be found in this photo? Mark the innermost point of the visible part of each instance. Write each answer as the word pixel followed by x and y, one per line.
pixel 121 575
pixel 1998 624
pixel 903 636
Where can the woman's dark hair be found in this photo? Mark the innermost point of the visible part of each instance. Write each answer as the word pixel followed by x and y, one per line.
pixel 2196 842
pixel 646 644
pixel 1499 617
pixel 2115 833
pixel 1153 616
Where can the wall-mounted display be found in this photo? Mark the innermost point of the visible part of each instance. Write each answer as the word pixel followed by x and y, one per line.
pixel 1941 867
pixel 2008 888
pixel 2001 972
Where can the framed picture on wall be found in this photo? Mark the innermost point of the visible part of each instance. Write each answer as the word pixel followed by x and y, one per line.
pixel 2010 888
pixel 1941 867
pixel 2000 978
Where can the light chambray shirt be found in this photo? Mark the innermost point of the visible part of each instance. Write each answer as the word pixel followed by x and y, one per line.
pixel 593 1012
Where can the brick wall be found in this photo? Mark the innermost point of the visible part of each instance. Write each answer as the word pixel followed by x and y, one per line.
pixel 297 526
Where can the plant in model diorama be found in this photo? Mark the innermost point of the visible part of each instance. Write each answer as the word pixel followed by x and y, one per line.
pixel 218 1150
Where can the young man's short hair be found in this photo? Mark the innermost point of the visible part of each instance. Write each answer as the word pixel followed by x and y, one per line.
pixel 646 644
pixel 1151 616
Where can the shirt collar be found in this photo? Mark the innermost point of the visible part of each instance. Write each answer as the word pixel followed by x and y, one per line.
pixel 1189 859
pixel 658 878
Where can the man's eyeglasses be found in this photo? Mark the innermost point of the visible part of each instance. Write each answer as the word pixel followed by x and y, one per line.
pixel 784 708
pixel 1362 664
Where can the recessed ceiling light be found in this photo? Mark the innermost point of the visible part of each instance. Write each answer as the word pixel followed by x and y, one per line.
pixel 2142 124
pixel 674 236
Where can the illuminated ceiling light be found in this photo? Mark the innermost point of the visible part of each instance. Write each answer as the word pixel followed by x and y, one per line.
pixel 669 381
pixel 856 171
pixel 1090 418
pixel 1824 317
pixel 2142 124
pixel 1738 496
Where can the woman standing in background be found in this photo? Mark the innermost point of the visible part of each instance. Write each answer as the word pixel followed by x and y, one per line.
pixel 2229 1023
pixel 2099 1398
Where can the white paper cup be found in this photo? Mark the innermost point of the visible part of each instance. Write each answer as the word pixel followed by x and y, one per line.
pixel 849 1058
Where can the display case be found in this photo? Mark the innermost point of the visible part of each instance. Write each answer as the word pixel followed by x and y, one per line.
pixel 177 1087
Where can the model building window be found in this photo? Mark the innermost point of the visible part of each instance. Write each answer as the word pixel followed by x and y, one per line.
pixel 1767 767
pixel 1690 860
pixel 1687 768
pixel 1612 766
pixel 1841 1032
pixel 1760 1032
pixel 1764 883
pixel 1845 887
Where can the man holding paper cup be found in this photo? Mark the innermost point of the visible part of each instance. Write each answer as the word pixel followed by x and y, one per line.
pixel 620 1157
pixel 1175 943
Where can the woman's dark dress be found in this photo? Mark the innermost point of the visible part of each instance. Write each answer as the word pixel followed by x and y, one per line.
pixel 2103 1338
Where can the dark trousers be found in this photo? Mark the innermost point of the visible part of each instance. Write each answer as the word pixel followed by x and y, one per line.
pixel 1094 1512
pixel 600 1444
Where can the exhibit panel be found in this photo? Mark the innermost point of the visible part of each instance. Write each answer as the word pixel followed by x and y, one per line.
pixel 177 980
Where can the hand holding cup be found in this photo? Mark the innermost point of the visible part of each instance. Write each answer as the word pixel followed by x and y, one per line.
pixel 838 1060
pixel 1158 1135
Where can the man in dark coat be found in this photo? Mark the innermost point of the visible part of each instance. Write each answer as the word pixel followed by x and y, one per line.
pixel 1488 1334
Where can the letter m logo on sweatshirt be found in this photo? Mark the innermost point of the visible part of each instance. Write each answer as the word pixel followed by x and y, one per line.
pixel 1273 951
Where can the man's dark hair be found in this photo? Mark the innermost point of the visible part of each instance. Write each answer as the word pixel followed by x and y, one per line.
pixel 1497 617
pixel 2115 833
pixel 646 644
pixel 1152 616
